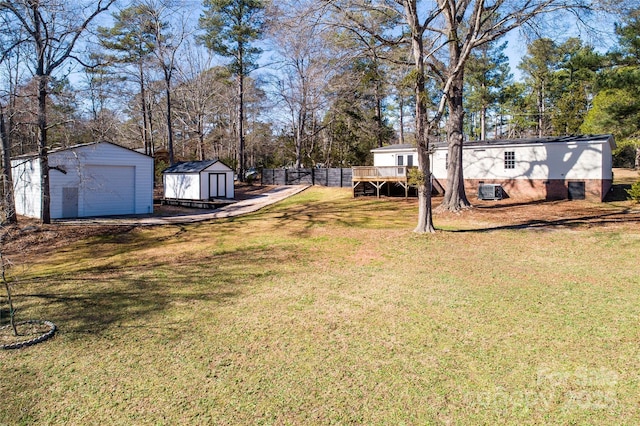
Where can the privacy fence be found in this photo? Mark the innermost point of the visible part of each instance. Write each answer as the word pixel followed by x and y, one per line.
pixel 323 177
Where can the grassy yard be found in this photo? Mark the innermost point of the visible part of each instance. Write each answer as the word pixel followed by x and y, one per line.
pixel 328 310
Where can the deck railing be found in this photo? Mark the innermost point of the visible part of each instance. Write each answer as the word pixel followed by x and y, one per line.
pixel 380 173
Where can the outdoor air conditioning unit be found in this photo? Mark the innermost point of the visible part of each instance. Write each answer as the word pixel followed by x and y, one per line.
pixel 490 191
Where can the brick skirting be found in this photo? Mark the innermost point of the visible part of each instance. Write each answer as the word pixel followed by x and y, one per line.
pixel 528 189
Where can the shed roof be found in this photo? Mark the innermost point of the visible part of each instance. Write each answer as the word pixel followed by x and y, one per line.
pixel 191 166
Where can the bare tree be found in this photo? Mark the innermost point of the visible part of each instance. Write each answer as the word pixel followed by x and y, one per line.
pixel 52 28
pixel 305 69
pixel 442 34
pixel 201 96
pixel 169 25
pixel 130 43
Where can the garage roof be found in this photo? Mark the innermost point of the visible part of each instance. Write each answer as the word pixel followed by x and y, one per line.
pixel 75 147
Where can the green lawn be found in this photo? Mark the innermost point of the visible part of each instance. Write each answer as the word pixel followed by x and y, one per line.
pixel 328 310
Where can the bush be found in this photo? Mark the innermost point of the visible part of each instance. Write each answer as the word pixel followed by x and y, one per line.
pixel 625 154
pixel 634 192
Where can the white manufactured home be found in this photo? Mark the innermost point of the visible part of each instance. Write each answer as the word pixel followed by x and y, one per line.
pixel 96 179
pixel 554 168
pixel 198 181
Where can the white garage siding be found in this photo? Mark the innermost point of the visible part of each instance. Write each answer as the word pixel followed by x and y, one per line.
pixel 101 178
pixel 26 186
pixel 108 190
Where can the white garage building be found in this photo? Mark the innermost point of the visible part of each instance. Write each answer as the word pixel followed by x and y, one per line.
pixel 198 180
pixel 96 179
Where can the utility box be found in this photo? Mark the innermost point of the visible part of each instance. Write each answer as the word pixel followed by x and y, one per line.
pixel 490 191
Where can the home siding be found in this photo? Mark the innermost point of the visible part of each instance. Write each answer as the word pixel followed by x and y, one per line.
pixel 542 170
pixel 386 159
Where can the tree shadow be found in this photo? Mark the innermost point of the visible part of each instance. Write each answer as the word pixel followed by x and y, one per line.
pixel 507 203
pixel 97 300
pixel 609 218
pixel 342 212
pixel 618 192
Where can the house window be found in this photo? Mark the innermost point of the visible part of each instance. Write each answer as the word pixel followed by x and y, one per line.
pixel 509 159
pixel 400 160
pixel 409 160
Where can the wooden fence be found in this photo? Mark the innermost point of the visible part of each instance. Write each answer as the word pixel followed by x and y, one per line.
pixel 324 177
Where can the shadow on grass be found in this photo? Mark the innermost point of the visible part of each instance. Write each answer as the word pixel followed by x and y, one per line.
pixel 609 218
pixel 618 192
pixel 347 213
pixel 506 204
pixel 101 299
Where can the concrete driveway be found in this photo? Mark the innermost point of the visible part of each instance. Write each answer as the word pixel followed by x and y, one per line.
pixel 236 209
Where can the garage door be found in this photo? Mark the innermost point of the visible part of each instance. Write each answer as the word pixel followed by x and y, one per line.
pixel 108 190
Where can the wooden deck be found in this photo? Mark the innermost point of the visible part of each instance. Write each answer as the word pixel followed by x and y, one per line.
pixel 379 176
pixel 198 204
pixel 375 174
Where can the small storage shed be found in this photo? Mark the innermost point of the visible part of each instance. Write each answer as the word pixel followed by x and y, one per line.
pixel 198 181
pixel 96 179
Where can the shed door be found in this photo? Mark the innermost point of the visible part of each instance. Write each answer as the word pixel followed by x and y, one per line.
pixel 69 202
pixel 108 190
pixel 217 185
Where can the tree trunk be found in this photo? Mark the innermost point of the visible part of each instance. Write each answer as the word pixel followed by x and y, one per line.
pixel 7 287
pixel 152 139
pixel 146 139
pixel 43 155
pixel 455 198
pixel 241 159
pixel 378 117
pixel 425 214
pixel 169 120
pixel 201 153
pixel 541 110
pixel 637 158
pixel 298 140
pixel 483 123
pixel 8 198
pixel 401 120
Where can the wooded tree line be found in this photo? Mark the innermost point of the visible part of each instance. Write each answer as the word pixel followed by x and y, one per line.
pixel 304 83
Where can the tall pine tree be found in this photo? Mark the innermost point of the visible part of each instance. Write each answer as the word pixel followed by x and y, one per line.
pixel 231 29
pixel 487 71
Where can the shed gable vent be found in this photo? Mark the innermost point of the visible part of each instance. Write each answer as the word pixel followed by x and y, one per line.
pixel 490 191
